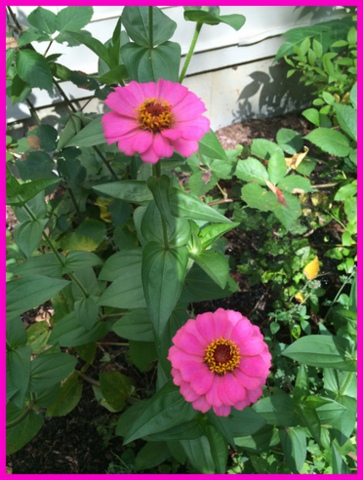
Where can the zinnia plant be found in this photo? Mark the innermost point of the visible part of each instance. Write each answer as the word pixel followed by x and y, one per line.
pixel 154 119
pixel 220 360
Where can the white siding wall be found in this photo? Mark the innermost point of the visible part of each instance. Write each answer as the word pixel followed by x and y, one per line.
pixel 249 51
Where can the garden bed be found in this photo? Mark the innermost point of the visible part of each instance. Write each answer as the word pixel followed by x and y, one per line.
pixel 84 441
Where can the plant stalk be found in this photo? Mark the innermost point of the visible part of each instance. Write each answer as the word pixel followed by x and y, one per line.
pixel 198 28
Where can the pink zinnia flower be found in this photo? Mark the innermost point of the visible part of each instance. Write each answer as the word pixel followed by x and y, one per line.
pixel 220 360
pixel 154 119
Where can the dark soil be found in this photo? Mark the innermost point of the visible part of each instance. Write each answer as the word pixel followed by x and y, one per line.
pixel 84 441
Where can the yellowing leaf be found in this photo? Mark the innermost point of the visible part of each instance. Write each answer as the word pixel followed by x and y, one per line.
pixel 311 270
pixel 299 297
pixel 296 159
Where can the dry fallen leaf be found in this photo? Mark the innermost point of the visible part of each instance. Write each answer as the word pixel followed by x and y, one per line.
pixel 11 42
pixel 299 297
pixel 311 269
pixel 296 159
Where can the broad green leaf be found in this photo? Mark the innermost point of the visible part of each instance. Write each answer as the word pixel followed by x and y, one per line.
pixel 15 333
pixel 265 149
pixel 258 197
pixel 47 264
pixel 219 448
pixel 27 235
pixel 159 187
pixel 42 137
pixel 116 388
pixel 198 286
pixel 166 409
pixel 194 14
pixel 68 397
pixel 211 147
pixel 347 118
pixel 133 191
pixel 143 354
pixel 135 325
pixel 209 234
pixel 276 168
pixel 86 311
pixel 330 141
pixel 91 134
pixel 199 454
pixel 18 374
pixel 340 383
pixel 185 431
pixel 308 417
pixel 287 214
pixel 353 95
pixel 18 194
pixel 79 259
pixel 322 351
pixel 163 272
pixel 68 333
pixel 187 206
pixel 122 264
pixel 277 409
pixel 128 418
pixel 92 43
pixel 26 293
pixel 261 441
pixel 289 140
pixel 215 265
pixel 38 165
pixel 43 20
pixel 251 170
pixel 145 65
pixel 331 413
pixel 338 464
pixel 312 114
pixel 115 75
pixel 47 369
pixel 344 426
pixel 136 23
pixel 293 441
pixel 295 184
pixel 34 69
pixel 20 434
pixel 151 455
pixel 73 18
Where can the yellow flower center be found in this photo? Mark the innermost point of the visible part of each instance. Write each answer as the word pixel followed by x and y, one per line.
pixel 222 356
pixel 155 115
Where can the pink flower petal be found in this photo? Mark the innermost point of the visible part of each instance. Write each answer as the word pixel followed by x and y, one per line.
pixel 188 393
pixel 205 326
pixel 232 388
pixel 201 383
pixel 201 404
pixel 189 343
pixel 222 411
pixel 190 370
pixel 245 380
pixel 162 146
pixel 252 346
pixel 169 92
pixel 242 331
pixel 186 147
pixel 253 366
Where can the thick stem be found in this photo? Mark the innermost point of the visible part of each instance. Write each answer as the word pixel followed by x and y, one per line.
pixel 198 28
pixel 151 29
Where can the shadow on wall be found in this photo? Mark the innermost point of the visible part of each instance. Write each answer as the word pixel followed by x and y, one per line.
pixel 277 95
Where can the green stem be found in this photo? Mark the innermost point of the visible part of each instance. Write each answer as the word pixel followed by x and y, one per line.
pixel 198 28
pixel 346 383
pixel 339 292
pixel 56 253
pixel 104 160
pixel 21 417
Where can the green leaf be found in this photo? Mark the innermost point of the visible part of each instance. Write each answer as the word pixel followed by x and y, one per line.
pixel 258 197
pixel 145 65
pixel 93 44
pixel 276 168
pixel 122 264
pixel 293 441
pixel 68 397
pixel 277 409
pixel 289 140
pixel 21 433
pixel 142 354
pixel 199 454
pixel 163 272
pixel 80 259
pixel 91 134
pixel 338 464
pixel 347 118
pixel 166 409
pixel 73 18
pixel 23 294
pixel 27 235
pixel 15 333
pixel 86 311
pixel 312 114
pixel 261 441
pixel 287 214
pixel 265 149
pixel 308 417
pixel 187 206
pixel 211 147
pixel 193 14
pixel 133 191
pixel 19 194
pixel 135 325
pixel 330 141
pixel 116 388
pixel 185 431
pixel 115 75
pixel 47 369
pixel 321 351
pixel 34 69
pixel 209 234
pixel 38 165
pixel 44 137
pixel 218 447
pixel 251 170
pixel 295 182
pixel 136 23
pixel 68 333
pixel 43 20
pixel 215 265
pixel 353 95
pixel 151 455
pixel 18 374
